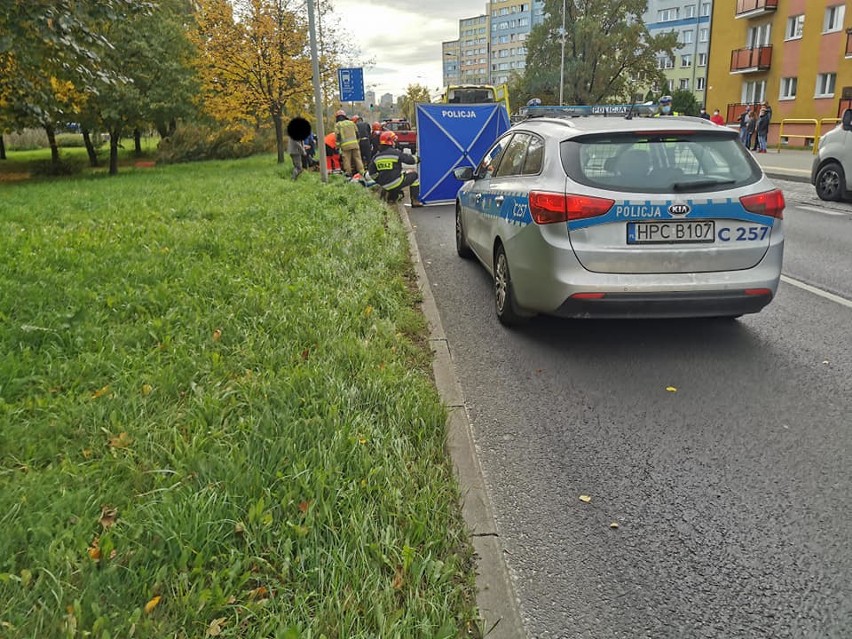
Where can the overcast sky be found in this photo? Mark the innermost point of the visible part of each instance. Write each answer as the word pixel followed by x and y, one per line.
pixel 404 38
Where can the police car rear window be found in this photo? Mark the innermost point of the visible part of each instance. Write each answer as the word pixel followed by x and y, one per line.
pixel 659 162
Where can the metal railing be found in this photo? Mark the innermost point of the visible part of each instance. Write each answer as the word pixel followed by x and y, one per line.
pixel 817 132
pixel 749 6
pixel 751 58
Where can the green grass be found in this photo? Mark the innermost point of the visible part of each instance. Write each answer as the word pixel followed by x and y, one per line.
pixel 235 363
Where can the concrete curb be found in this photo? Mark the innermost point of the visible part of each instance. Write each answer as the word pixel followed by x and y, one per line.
pixel 498 605
pixel 790 177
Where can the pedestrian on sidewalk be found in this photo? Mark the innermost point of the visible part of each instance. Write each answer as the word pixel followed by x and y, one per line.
pixel 751 128
pixel 762 128
pixel 744 120
pixel 703 114
pixel 717 118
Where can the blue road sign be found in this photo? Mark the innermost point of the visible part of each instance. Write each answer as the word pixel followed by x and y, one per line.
pixel 351 83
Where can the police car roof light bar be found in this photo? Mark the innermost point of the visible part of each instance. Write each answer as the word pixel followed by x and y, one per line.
pixel 582 110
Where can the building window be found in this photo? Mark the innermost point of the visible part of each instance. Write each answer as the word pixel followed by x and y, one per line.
pixel 687 36
pixel 667 15
pixel 788 88
pixel 689 11
pixel 684 84
pixel 759 36
pixel 704 35
pixel 699 83
pixel 825 85
pixel 795 26
pixel 702 59
pixel 685 61
pixel 706 8
pixel 670 85
pixel 834 18
pixel 669 63
pixel 754 91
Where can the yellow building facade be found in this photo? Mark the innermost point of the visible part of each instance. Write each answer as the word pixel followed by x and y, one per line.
pixel 794 54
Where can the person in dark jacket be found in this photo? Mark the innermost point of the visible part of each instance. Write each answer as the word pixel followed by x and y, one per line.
pixel 386 169
pixel 363 129
pixel 763 129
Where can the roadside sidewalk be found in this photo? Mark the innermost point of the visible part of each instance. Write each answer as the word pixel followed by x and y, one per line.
pixel 793 165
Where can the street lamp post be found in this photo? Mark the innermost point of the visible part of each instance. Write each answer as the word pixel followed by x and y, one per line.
pixel 318 110
pixel 562 60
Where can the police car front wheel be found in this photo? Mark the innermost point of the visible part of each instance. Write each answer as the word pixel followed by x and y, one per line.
pixel 462 247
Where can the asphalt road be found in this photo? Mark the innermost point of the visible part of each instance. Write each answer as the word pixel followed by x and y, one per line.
pixel 732 494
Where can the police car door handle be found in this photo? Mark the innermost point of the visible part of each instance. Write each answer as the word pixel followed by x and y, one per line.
pixel 499 199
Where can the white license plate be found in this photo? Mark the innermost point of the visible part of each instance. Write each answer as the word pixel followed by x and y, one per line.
pixel 686 232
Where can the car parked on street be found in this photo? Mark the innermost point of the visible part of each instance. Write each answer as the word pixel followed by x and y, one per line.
pixel 831 174
pixel 622 217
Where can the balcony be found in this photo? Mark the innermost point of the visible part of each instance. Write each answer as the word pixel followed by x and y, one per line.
pixel 751 60
pixel 755 8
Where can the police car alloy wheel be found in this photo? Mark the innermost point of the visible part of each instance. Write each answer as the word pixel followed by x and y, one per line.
pixel 829 182
pixel 504 301
pixel 462 247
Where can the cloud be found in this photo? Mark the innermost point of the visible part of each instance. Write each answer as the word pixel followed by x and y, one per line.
pixel 404 38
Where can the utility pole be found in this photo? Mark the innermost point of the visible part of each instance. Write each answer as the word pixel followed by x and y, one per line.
pixel 562 61
pixel 318 109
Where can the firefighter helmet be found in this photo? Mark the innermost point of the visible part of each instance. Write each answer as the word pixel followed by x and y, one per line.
pixel 388 138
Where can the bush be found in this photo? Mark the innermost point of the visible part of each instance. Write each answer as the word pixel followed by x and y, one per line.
pixel 194 143
pixel 46 168
pixel 69 140
pixel 26 140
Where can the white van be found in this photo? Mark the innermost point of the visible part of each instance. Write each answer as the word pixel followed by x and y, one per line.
pixel 832 170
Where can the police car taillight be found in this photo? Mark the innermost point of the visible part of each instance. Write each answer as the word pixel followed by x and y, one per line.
pixel 769 203
pixel 549 208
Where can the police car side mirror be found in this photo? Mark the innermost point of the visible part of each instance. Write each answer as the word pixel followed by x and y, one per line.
pixel 847 120
pixel 463 173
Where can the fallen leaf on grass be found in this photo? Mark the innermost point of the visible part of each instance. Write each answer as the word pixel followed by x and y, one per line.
pixel 122 440
pixel 149 607
pixel 398 579
pixel 305 354
pixel 368 311
pixel 261 592
pixel 146 389
pixel 614 525
pixel 217 334
pixel 94 551
pixel 671 389
pixel 215 627
pixel 304 506
pixel 239 528
pixel 100 392
pixel 585 499
pixel 108 517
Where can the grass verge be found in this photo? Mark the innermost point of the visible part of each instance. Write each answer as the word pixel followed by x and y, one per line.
pixel 217 416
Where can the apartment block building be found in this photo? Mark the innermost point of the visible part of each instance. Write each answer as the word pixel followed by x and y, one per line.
pixel 491 46
pixel 795 54
pixel 690 20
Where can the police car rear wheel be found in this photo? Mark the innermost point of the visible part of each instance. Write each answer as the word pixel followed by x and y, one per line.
pixel 462 247
pixel 829 182
pixel 504 299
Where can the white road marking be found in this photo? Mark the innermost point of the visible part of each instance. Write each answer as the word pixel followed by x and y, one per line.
pixel 816 209
pixel 817 291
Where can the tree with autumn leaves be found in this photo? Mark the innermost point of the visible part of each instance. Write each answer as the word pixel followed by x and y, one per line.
pixel 254 61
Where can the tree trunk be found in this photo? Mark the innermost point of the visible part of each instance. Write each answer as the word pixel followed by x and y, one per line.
pixel 137 141
pixel 279 136
pixel 113 150
pixel 54 148
pixel 2 149
pixel 172 128
pixel 90 148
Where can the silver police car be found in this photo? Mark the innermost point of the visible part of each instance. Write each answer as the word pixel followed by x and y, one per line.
pixel 617 217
